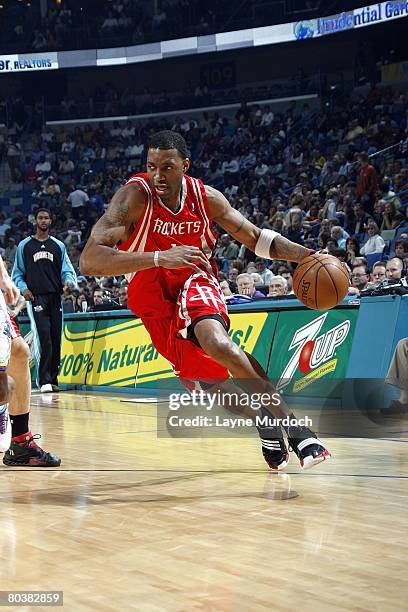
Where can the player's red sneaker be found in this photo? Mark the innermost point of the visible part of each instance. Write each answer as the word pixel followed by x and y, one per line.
pixel 27 453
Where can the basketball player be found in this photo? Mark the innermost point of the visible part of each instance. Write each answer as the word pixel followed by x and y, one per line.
pixel 158 230
pixel 8 293
pixel 16 440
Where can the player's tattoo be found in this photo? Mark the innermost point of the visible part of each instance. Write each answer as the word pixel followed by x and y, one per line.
pixel 241 225
pixel 118 211
pixel 282 248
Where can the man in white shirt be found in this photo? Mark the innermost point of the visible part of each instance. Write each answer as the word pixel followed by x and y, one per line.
pixel 43 166
pixel 78 200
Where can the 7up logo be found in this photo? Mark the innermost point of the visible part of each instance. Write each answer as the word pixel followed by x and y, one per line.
pixel 312 350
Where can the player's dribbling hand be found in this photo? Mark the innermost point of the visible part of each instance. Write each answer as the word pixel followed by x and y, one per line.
pixel 11 292
pixel 184 256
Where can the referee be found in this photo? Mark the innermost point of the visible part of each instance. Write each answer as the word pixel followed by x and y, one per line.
pixel 40 270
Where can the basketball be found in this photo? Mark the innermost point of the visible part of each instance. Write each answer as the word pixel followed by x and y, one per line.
pixel 320 282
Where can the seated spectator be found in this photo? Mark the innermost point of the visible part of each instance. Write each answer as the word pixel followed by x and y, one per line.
pixel 227 251
pixel 374 243
pixel 337 235
pixel 394 269
pixel 225 288
pixel 285 271
pixel 246 286
pixel 352 250
pixel 330 208
pixel 359 277
pixel 378 272
pixel 4 227
pixel 233 275
pixel 391 219
pixel 401 249
pixel 265 274
pixel 43 166
pixel 257 280
pixel 81 303
pixel 123 296
pixel 278 286
pixel 10 250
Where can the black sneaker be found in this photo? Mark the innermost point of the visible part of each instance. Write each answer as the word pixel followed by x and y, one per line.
pixel 308 448
pixel 28 454
pixel 275 453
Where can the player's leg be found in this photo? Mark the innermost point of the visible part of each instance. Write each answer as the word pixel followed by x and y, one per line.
pixel 56 330
pixel 23 450
pixel 6 383
pixel 216 343
pixel 202 299
pixel 43 325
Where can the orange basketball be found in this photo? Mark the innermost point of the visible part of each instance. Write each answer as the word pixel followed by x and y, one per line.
pixel 320 281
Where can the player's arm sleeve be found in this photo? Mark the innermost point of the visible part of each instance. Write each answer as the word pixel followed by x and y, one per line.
pixel 68 274
pixel 18 271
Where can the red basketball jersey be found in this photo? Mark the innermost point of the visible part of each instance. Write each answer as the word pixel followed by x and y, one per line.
pixel 154 292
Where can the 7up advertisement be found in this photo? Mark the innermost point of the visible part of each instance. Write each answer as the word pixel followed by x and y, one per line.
pixel 311 351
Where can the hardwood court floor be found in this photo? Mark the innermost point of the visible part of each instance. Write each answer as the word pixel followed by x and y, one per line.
pixel 132 522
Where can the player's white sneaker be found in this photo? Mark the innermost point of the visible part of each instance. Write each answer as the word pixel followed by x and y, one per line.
pixel 309 449
pixel 46 389
pixel 5 430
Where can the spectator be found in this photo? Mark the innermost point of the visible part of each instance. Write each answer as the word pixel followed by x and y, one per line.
pixel 227 250
pixel 264 272
pixel 401 249
pixel 123 296
pixel 367 183
pixel 394 269
pixel 4 227
pixel 278 287
pixel 337 235
pixel 246 286
pixel 330 208
pixel 43 166
pixel 10 250
pixel 391 218
pixel 359 277
pixel 352 251
pixel 374 243
pixel 286 271
pixel 225 288
pixel 378 272
pixel 66 168
pixel 78 199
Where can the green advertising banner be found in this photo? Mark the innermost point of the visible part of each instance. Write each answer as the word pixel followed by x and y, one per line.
pixel 118 352
pixel 311 351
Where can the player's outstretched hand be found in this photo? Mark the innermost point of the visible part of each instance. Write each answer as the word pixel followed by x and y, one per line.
pixel 184 256
pixel 11 292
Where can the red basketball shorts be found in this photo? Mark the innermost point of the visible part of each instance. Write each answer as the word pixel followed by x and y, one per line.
pixel 201 297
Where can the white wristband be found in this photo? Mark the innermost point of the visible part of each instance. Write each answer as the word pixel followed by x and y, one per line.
pixel 156 258
pixel 263 246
